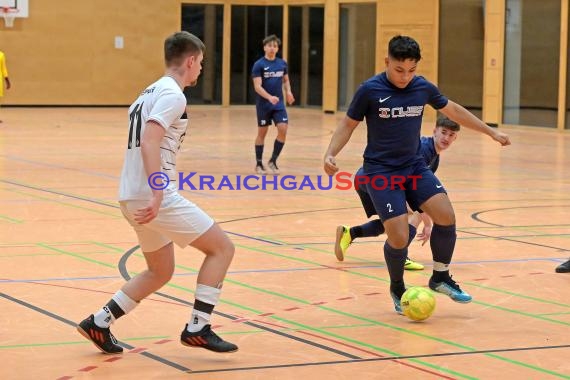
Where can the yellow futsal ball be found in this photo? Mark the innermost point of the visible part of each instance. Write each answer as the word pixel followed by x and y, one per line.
pixel 418 303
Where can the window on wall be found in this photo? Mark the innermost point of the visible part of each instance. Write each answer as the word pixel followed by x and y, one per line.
pixel 206 22
pixel 250 25
pixel 357 53
pixel 461 44
pixel 532 49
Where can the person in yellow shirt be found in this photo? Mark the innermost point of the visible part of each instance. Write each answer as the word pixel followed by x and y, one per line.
pixel 4 73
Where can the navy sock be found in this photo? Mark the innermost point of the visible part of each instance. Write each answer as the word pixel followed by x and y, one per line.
pixel 370 229
pixel 442 244
pixel 277 147
pixel 395 259
pixel 258 153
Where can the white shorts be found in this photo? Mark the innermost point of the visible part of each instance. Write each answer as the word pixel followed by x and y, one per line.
pixel 178 220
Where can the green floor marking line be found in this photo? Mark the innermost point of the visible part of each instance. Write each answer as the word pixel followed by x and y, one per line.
pixel 116 249
pixel 564 313
pixel 116 216
pixel 321 331
pixel 306 327
pixel 518 295
pixel 467 348
pixel 419 273
pixel 76 255
pixel 12 220
pixel 530 366
pixel 341 337
pixel 77 342
pixel 30 254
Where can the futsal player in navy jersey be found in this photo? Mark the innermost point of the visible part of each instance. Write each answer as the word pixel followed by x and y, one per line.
pixel 270 75
pixel 393 105
pixel 444 134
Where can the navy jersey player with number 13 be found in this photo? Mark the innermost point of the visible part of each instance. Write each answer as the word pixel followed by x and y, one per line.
pixel 269 75
pixel 393 105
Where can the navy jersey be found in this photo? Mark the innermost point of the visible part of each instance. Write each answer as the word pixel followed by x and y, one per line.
pixel 271 73
pixel 428 152
pixel 394 118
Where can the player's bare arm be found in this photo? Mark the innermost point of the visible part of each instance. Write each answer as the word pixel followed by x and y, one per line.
pixel 150 149
pixel 340 137
pixel 460 115
pixel 288 92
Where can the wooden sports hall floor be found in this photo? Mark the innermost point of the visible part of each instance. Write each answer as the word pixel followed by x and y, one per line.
pixel 294 311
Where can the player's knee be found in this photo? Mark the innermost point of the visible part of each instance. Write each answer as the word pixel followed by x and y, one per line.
pixel 445 219
pixel 398 240
pixel 229 250
pixel 162 274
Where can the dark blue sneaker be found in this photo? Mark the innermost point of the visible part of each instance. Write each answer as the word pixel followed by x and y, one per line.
pixel 450 288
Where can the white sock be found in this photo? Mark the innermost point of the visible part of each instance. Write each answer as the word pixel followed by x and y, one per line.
pixel 119 305
pixel 440 267
pixel 206 298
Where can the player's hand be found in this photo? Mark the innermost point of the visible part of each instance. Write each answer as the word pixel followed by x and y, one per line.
pixel 290 98
pixel 330 165
pixel 148 213
pixel 273 100
pixel 424 235
pixel 501 138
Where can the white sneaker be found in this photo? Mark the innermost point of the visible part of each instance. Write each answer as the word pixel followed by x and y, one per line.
pixel 273 166
pixel 259 169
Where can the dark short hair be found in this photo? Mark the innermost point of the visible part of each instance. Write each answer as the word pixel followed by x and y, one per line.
pixel 271 38
pixel 404 47
pixel 445 122
pixel 179 45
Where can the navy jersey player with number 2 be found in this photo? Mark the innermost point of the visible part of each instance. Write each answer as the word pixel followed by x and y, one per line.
pixel 393 105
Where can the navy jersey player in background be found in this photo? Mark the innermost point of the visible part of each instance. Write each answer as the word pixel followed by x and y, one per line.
pixel 444 134
pixel 270 75
pixel 393 104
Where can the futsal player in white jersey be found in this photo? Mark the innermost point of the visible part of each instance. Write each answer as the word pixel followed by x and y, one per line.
pixel 158 213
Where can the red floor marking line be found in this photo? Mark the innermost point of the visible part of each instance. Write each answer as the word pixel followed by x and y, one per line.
pixel 216 326
pixel 88 368
pixel 363 350
pixel 319 303
pixel 94 291
pixel 292 308
pixel 240 320
pixel 372 294
pixel 509 275
pixel 113 359
pixel 265 314
pixel 137 350
pixel 480 279
pixel 163 341
pixel 65 378
pixel 536 273
pixel 345 298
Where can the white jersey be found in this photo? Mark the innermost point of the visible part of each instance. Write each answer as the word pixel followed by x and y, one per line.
pixel 164 103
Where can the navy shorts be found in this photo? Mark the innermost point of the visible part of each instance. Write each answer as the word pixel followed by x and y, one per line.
pixel 365 199
pixel 266 115
pixel 386 194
